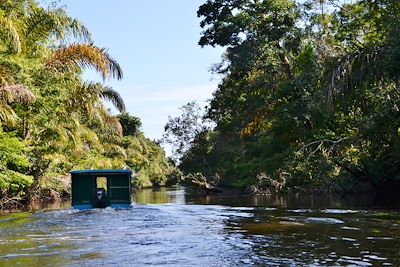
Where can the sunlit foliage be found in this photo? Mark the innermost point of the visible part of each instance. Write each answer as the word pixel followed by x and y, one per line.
pixel 51 120
pixel 309 96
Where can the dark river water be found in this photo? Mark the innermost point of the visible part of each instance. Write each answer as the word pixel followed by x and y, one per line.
pixel 171 227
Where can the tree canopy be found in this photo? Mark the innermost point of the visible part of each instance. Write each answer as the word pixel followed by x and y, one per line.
pixel 309 96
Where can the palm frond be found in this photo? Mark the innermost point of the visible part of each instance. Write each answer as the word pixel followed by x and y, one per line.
pixel 89 137
pixel 67 130
pixel 352 71
pixel 69 26
pixel 7 115
pixel 89 96
pixel 55 23
pixel 9 34
pixel 115 150
pixel 95 91
pixel 114 68
pixel 5 76
pixel 111 121
pixel 109 94
pixel 84 56
pixel 16 93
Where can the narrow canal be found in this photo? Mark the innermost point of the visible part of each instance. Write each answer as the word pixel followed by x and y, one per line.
pixel 171 227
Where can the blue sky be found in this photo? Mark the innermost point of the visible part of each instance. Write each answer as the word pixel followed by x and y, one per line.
pixel 155 42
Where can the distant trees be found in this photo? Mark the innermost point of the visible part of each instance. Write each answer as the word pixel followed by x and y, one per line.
pixel 180 132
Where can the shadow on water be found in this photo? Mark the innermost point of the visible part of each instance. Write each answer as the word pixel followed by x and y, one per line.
pixel 176 227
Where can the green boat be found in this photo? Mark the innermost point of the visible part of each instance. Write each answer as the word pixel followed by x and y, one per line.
pixel 101 189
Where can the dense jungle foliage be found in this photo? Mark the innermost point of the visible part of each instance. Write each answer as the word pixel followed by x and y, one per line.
pixel 309 97
pixel 51 120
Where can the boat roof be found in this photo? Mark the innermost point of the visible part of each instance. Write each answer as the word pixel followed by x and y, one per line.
pixel 101 172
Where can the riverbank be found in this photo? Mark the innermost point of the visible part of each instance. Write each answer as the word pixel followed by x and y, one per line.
pixel 50 197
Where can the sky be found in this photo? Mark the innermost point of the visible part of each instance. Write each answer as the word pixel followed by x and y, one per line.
pixel 155 42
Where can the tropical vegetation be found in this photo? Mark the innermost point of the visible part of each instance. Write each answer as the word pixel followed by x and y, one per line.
pixel 53 121
pixel 309 97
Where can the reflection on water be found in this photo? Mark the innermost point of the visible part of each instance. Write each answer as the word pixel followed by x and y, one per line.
pixel 180 228
pixel 160 196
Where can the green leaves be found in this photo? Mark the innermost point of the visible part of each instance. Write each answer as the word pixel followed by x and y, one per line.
pixel 311 97
pixel 180 132
pixel 13 153
pixel 130 124
pixel 13 163
pixel 365 67
pixel 53 121
pixel 41 24
pixel 9 33
pixel 232 22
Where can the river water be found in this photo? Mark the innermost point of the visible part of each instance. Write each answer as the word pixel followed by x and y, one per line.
pixel 172 227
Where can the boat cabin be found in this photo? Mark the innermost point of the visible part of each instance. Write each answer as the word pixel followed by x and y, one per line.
pixel 101 188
